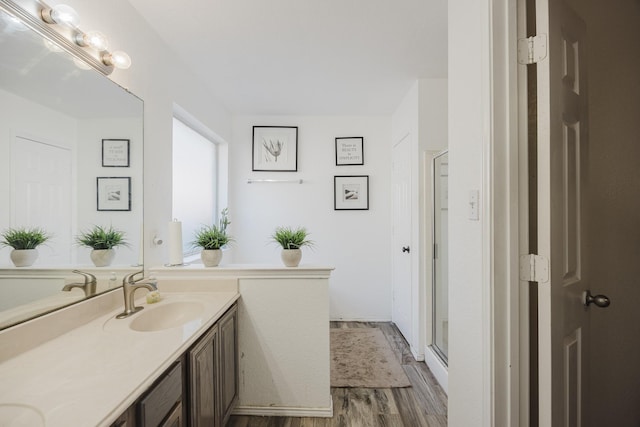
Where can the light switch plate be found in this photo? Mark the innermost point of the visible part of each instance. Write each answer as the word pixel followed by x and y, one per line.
pixel 474 208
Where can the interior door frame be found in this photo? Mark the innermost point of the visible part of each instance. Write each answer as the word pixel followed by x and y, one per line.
pixel 507 226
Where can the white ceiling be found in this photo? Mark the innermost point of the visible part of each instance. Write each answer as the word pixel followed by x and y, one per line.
pixel 305 56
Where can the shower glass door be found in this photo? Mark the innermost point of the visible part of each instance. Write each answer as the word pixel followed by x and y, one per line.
pixel 440 215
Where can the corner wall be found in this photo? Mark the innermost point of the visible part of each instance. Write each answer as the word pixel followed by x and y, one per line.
pixel 469 290
pixel 356 243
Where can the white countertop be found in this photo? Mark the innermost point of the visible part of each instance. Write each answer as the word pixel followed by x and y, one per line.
pixel 91 374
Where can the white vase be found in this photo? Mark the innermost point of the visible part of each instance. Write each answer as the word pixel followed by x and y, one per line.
pixel 211 257
pixel 291 257
pixel 23 257
pixel 102 257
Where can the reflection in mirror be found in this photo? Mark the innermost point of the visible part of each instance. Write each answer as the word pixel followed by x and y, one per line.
pixel 440 214
pixel 54 115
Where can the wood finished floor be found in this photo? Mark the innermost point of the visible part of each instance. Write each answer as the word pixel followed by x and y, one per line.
pixel 422 405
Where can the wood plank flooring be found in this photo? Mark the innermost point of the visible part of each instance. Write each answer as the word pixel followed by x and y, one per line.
pixel 422 405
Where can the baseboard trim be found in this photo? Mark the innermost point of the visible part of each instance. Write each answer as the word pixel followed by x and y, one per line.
pixel 357 319
pixel 416 354
pixel 439 370
pixel 284 411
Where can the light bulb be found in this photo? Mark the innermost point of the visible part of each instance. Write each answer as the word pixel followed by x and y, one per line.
pixel 118 59
pixel 61 14
pixel 94 39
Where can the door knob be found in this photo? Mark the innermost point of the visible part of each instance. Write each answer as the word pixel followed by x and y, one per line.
pixel 599 300
pixel 406 249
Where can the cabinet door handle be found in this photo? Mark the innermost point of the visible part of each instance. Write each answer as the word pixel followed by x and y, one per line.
pixel 406 249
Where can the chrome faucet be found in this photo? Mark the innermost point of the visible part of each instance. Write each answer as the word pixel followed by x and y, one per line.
pixel 89 285
pixel 129 286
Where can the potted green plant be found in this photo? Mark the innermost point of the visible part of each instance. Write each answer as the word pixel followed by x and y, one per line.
pixel 24 242
pixel 102 241
pixel 211 239
pixel 291 240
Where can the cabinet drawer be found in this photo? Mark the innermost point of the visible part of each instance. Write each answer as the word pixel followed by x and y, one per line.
pixel 158 402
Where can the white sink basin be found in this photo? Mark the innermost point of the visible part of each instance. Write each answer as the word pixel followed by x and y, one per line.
pixel 17 415
pixel 166 316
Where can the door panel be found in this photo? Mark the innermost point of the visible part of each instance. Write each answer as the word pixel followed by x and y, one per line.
pixel 562 223
pixel 401 218
pixel 41 176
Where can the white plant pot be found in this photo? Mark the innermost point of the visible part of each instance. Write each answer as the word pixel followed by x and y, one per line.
pixel 102 257
pixel 211 257
pixel 23 257
pixel 291 257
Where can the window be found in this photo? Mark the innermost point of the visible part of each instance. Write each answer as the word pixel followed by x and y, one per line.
pixel 195 181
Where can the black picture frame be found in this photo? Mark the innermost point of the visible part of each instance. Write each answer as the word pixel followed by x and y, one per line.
pixel 113 193
pixel 115 153
pixel 349 150
pixel 351 192
pixel 274 149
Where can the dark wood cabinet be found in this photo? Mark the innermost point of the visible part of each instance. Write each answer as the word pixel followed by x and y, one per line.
pixel 229 373
pixel 200 389
pixel 213 372
pixel 203 380
pixel 159 403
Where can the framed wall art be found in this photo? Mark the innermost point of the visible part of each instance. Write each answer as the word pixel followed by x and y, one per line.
pixel 351 192
pixel 275 148
pixel 114 193
pixel 115 153
pixel 349 151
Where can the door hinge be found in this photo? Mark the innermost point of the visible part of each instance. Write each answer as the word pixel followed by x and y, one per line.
pixel 532 50
pixel 534 268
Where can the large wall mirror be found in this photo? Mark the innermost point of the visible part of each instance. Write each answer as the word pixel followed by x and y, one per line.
pixel 70 159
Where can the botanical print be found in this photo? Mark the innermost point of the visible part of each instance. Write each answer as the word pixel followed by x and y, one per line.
pixel 274 149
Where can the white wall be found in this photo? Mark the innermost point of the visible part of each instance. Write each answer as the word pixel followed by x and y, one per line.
pixel 90 133
pixel 469 294
pixel 158 77
pixel 356 243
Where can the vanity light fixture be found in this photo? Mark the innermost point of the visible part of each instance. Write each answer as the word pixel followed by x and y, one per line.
pixel 81 64
pixel 94 39
pixel 118 59
pixel 52 46
pixel 61 14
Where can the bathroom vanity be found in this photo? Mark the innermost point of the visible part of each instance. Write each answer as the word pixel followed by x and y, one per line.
pixel 200 386
pixel 237 339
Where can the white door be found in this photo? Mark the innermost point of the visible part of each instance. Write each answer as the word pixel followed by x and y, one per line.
pixel 562 166
pixel 41 195
pixel 401 239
